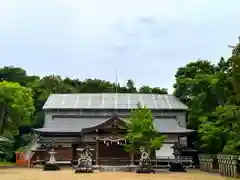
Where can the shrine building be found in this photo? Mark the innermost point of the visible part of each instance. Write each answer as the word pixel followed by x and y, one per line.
pixel 98 120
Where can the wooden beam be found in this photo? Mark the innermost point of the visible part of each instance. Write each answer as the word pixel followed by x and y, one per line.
pixel 97 148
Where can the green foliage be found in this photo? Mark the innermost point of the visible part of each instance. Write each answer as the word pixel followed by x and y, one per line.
pixel 16 106
pixel 141 132
pixel 213 137
pixel 229 118
pixel 213 94
pixel 7 146
pixel 207 88
pixel 155 90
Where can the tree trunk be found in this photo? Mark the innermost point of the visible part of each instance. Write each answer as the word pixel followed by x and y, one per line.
pixel 2 115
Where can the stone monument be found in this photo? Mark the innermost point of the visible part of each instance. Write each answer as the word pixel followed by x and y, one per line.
pixel 145 165
pixel 51 165
pixel 177 165
pixel 84 164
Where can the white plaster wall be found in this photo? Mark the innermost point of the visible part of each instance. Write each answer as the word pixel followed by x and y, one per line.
pixel 165 151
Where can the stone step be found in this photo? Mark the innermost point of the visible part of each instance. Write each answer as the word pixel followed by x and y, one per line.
pixel 116 168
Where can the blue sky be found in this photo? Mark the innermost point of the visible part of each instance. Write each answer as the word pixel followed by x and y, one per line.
pixel 147 40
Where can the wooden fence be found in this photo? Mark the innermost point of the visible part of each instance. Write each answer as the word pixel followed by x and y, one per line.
pixel 226 165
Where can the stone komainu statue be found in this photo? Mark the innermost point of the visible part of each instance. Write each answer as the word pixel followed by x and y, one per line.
pixel 145 159
pixel 84 160
pixel 85 157
pixel 145 165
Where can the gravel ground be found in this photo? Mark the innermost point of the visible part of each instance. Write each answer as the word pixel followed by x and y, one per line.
pixel 67 174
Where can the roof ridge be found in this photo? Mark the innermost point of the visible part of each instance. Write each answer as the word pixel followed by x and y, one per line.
pixel 113 93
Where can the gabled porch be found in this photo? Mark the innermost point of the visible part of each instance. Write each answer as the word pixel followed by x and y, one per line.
pixel 109 141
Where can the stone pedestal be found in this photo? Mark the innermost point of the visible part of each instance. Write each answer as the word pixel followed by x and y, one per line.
pixel 51 167
pixel 80 169
pixel 177 165
pixel 145 167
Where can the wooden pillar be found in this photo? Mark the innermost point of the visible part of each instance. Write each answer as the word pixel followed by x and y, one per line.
pixel 132 158
pixel 178 139
pixel 97 148
pixel 74 154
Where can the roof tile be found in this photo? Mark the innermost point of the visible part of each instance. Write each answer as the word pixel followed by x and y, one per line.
pixel 112 101
pixel 163 125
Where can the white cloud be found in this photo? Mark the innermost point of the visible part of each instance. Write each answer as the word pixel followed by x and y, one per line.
pixel 157 35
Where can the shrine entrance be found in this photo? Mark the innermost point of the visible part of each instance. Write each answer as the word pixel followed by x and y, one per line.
pixel 109 147
pixel 111 152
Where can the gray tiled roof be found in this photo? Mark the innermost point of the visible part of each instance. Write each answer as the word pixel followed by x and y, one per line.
pixel 163 125
pixel 112 101
pixel 169 125
pixel 70 124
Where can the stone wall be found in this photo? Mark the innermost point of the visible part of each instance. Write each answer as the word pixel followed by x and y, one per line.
pixel 228 165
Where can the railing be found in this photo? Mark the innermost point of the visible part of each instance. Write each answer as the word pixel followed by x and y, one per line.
pixel 160 162
pixel 114 161
pixel 164 162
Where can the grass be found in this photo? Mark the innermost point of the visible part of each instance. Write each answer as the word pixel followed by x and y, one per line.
pixel 67 174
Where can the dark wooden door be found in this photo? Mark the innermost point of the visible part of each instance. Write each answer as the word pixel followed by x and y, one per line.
pixel 113 154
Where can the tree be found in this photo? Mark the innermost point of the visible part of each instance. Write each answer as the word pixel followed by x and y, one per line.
pixel 205 87
pixel 131 87
pixel 155 90
pixel 141 131
pixel 212 93
pixel 213 135
pixel 145 89
pixel 7 146
pixel 183 90
pixel 13 74
pixel 236 77
pixel 16 106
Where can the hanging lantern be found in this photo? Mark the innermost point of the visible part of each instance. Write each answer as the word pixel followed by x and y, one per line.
pixel 118 142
